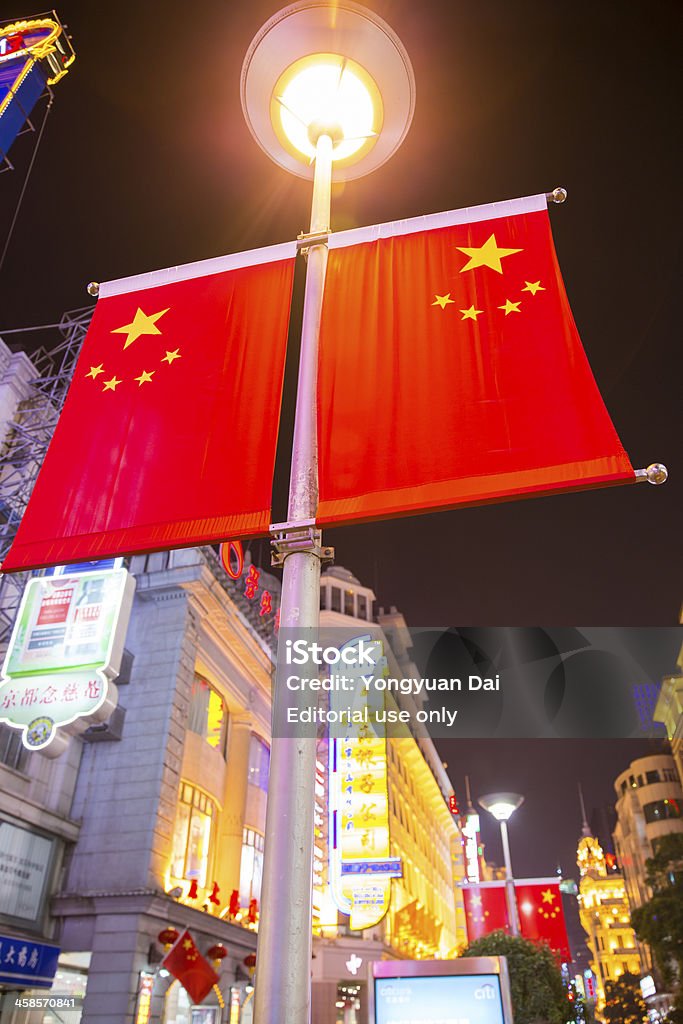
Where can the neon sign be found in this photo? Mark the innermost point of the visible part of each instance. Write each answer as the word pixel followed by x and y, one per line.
pixel 232 560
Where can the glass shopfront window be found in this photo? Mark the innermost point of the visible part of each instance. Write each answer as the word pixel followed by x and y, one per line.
pixel 259 763
pixel 208 715
pixel 251 868
pixel 195 815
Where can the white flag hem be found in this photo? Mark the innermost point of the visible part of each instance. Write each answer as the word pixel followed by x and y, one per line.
pixel 468 215
pixel 203 268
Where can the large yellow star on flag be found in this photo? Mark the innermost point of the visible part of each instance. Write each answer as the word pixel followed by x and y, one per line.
pixel 487 255
pixel 548 895
pixel 142 323
pixel 443 300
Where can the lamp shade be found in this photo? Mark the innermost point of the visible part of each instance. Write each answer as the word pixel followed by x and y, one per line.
pixel 363 55
pixel 501 805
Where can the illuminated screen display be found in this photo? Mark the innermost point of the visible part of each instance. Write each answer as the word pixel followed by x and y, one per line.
pixel 445 999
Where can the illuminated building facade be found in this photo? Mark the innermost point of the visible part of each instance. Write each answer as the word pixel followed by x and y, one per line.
pixel 649 805
pixel 605 917
pixel 669 711
pixel 425 917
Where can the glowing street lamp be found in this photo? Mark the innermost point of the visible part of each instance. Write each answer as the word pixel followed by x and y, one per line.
pixel 328 92
pixel 502 806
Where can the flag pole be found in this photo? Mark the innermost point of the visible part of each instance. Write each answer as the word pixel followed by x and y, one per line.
pixel 282 984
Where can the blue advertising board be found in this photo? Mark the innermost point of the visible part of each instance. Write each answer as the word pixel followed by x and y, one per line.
pixel 27 964
pixel 448 999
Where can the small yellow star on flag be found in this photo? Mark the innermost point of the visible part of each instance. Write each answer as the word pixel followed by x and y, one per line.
pixel 443 300
pixel 142 323
pixel 471 313
pixel 487 255
pixel 170 356
pixel 510 307
pixel 533 287
pixel 112 384
pixel 144 377
pixel 94 370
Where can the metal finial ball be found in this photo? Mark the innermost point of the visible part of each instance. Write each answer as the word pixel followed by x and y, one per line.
pixel 559 195
pixel 657 473
pixel 93 289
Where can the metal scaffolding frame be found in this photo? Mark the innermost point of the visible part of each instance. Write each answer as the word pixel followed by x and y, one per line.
pixel 24 447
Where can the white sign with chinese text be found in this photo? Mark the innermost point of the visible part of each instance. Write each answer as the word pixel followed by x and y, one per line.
pixel 66 647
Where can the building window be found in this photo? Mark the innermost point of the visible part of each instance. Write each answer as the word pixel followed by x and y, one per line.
pixel 335 603
pixel 349 604
pixel 13 753
pixel 651 777
pixel 660 810
pixel 323 597
pixel 259 763
pixel 208 714
pixel 362 606
pixel 195 816
pixel 251 867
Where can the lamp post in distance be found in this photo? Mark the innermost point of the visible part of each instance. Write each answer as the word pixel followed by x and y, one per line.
pixel 328 93
pixel 502 806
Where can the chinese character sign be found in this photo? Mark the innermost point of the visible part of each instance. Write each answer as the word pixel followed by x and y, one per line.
pixel 361 868
pixel 65 648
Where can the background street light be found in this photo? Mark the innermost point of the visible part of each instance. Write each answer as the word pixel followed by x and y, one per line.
pixel 328 92
pixel 502 806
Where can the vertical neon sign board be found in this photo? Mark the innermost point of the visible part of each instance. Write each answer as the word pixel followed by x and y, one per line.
pixel 361 866
pixel 66 647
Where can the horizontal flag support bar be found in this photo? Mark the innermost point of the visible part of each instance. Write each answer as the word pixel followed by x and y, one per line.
pixel 304 242
pixel 656 473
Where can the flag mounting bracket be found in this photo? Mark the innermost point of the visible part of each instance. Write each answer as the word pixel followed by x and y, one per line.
pixel 287 538
pixel 305 240
pixel 558 195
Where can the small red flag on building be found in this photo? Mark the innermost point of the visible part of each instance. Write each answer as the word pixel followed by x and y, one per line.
pixel 485 910
pixel 451 371
pixel 168 433
pixel 541 916
pixel 186 963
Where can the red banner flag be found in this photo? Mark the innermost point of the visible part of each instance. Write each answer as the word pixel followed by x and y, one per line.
pixel 187 964
pixel 168 433
pixel 485 910
pixel 451 371
pixel 541 916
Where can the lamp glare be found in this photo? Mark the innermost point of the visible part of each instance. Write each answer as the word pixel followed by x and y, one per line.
pixel 326 90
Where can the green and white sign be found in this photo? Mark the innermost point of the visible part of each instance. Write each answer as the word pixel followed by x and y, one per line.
pixel 65 649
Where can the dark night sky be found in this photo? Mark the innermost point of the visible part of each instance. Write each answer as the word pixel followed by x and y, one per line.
pixel 147 162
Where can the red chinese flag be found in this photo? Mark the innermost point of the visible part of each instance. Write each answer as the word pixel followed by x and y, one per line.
pixel 485 910
pixel 187 964
pixel 541 916
pixel 168 433
pixel 451 371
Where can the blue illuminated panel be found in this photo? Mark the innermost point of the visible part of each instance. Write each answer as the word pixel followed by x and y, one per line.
pixel 446 999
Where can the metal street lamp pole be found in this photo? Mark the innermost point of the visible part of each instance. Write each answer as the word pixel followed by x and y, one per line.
pixel 319 76
pixel 282 984
pixel 509 879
